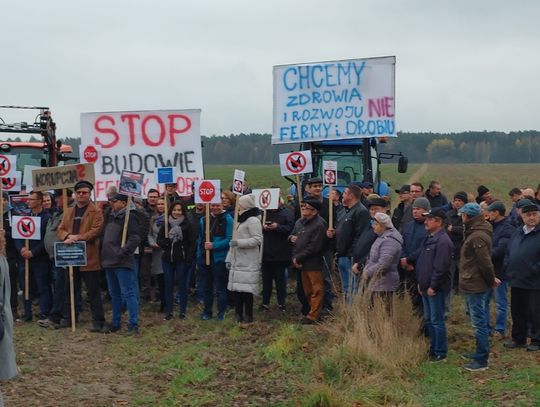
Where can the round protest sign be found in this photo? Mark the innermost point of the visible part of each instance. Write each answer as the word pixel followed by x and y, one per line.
pixel 330 177
pixel 296 162
pixel 5 165
pixel 90 154
pixel 26 227
pixel 265 199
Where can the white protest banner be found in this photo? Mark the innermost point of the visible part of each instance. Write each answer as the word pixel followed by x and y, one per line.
pixel 8 164
pixel 267 198
pixel 334 100
pixel 13 182
pixel 208 191
pixel 26 227
pixel 63 176
pixel 296 162
pixel 27 176
pixel 238 182
pixel 330 172
pixel 142 141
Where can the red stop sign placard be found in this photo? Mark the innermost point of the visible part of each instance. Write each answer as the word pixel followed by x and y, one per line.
pixel 90 154
pixel 207 191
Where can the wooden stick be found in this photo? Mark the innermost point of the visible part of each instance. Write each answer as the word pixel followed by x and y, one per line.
pixel 166 214
pixel 26 273
pixel 299 189
pixel 235 222
pixel 126 221
pixel 207 232
pixel 71 281
pixel 330 208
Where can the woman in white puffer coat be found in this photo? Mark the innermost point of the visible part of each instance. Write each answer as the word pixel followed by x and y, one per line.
pixel 244 258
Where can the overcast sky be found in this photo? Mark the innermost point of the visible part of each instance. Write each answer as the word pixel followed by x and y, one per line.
pixel 461 65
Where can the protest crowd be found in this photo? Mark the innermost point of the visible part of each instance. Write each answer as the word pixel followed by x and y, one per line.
pixel 429 248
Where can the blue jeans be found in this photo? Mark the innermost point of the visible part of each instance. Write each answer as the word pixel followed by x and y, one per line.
pixel 122 285
pixel 349 280
pixel 434 307
pixel 175 272
pixel 500 294
pixel 216 276
pixel 479 314
pixel 40 276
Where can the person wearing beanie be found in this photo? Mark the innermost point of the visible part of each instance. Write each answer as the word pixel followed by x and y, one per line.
pixel 414 233
pixel 380 272
pixel 455 231
pixel 503 230
pixel 523 271
pixel 244 258
pixel 308 239
pixel 484 195
pixel 477 278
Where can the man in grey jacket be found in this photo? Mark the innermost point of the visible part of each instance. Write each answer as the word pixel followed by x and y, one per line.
pixel 118 262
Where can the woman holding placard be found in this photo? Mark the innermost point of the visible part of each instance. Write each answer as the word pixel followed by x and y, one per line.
pixel 178 246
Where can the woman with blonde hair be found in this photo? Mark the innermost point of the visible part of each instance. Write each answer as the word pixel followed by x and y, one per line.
pixel 228 200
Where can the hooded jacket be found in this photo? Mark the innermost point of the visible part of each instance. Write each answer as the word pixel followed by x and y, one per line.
pixel 476 273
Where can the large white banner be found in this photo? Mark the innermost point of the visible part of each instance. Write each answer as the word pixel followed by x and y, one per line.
pixel 334 100
pixel 141 142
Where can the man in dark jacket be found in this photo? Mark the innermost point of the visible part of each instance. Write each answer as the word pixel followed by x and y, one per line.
pixel 354 222
pixel 401 215
pixel 308 239
pixel 365 241
pixel 502 233
pixel 433 274
pixel 118 262
pixel 276 255
pixel 455 231
pixel 40 270
pixel 434 195
pixel 477 278
pixel 523 271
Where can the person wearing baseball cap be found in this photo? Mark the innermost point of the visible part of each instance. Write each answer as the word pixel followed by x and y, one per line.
pixel 433 269
pixel 503 229
pixel 401 216
pixel 523 271
pixel 308 239
pixel 477 278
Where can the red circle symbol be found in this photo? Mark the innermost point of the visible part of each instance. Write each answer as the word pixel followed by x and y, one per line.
pixel 295 162
pixel 9 183
pixel 5 165
pixel 207 191
pixel 265 199
pixel 26 227
pixel 90 154
pixel 330 177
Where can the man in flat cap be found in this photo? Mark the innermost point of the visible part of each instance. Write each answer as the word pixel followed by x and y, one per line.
pixel 83 222
pixel 523 272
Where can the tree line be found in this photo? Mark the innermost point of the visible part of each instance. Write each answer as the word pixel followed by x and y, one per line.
pixel 465 147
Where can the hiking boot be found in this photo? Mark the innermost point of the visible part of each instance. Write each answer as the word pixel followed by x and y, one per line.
pixel 182 316
pixel 249 319
pixel 533 347
pixel 131 331
pixel 475 366
pixel 264 307
pixel 467 356
pixel 64 323
pixel 168 317
pixel 96 327
pixel 206 317
pixel 514 345
pixel 221 317
pixel 307 321
pixel 281 308
pixel 44 323
pixel 106 329
pixel 239 318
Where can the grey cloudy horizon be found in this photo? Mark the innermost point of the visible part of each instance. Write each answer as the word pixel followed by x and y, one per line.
pixel 461 65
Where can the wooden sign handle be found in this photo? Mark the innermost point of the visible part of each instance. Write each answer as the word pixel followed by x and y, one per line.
pixel 330 208
pixel 207 231
pixel 166 214
pixel 299 189
pixel 26 273
pixel 126 221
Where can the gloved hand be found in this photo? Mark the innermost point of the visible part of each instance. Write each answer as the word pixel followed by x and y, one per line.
pixel 233 243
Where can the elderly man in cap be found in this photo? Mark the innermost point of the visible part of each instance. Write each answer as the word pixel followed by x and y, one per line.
pixel 434 274
pixel 119 263
pixel 308 239
pixel 83 222
pixel 353 223
pixel 523 271
pixel 476 279
pixel 401 215
pixel 502 233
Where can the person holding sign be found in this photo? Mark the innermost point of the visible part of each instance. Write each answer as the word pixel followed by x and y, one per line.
pixel 83 222
pixel 244 257
pixel 119 261
pixel 215 275
pixel 12 255
pixel 38 261
pixel 179 246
